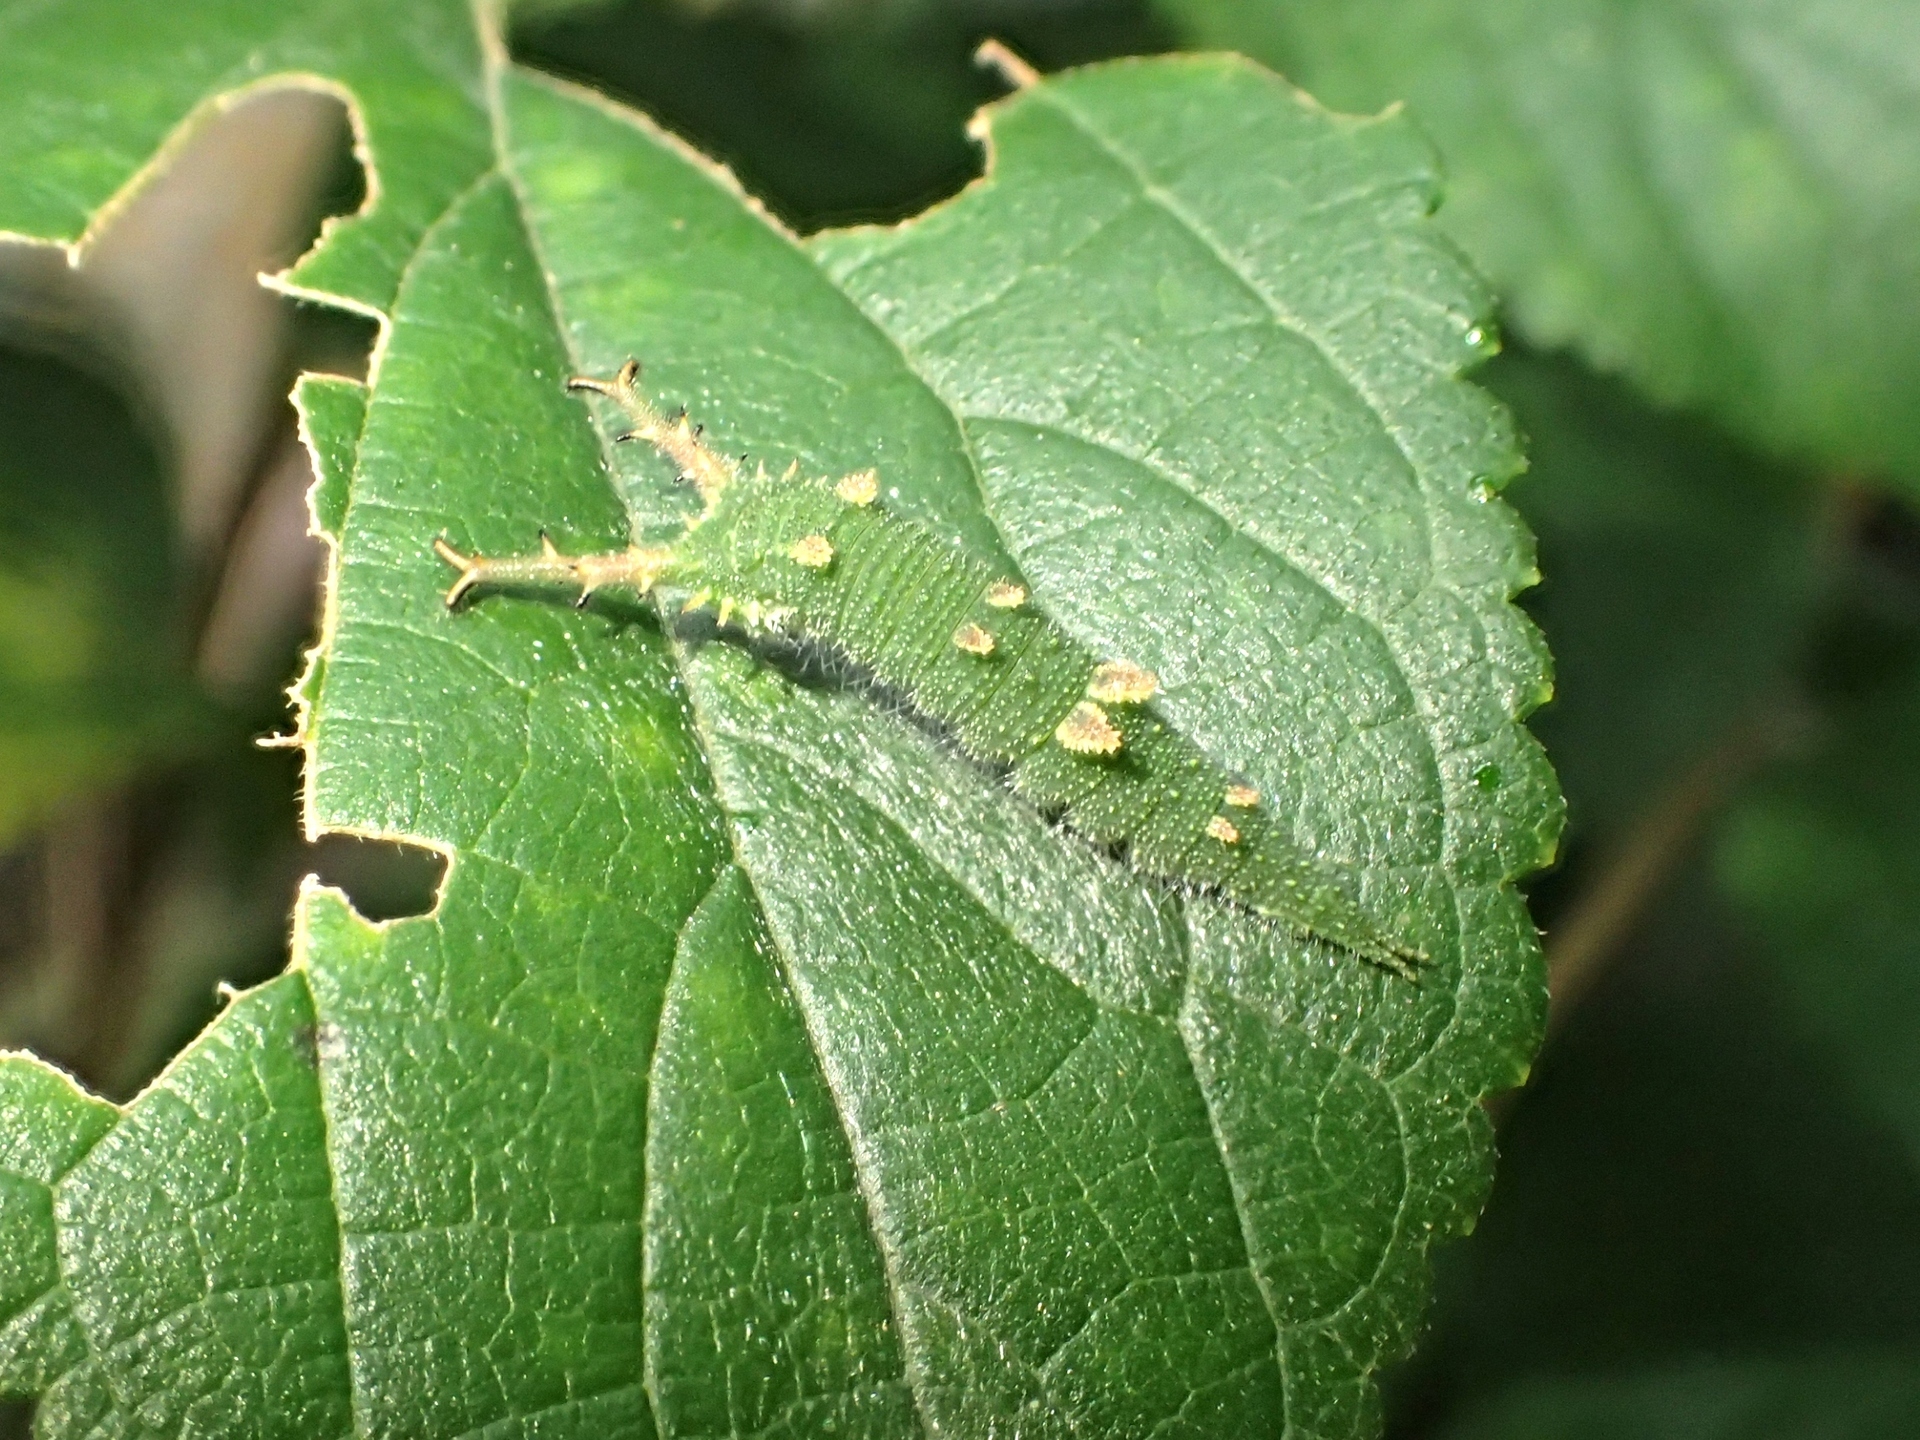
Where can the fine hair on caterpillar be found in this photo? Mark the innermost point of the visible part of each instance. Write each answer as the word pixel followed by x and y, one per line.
pixel 802 660
pixel 817 573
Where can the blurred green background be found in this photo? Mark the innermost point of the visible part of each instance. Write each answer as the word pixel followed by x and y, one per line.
pixel 1707 1216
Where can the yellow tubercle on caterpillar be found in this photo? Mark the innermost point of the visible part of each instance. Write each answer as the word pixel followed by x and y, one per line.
pixel 1121 682
pixel 1005 595
pixel 813 551
pixel 1242 797
pixel 754 616
pixel 764 618
pixel 974 639
pixel 638 567
pixel 1223 830
pixel 1088 731
pixel 860 488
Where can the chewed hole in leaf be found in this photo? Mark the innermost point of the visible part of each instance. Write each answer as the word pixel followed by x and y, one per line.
pixel 382 879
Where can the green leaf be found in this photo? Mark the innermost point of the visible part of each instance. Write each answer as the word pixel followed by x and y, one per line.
pixel 49 1127
pixel 93 667
pixel 1824 858
pixel 1844 1397
pixel 95 87
pixel 742 1279
pixel 1717 199
pixel 486 1070
pixel 763 1065
pixel 1082 215
pixel 180 1262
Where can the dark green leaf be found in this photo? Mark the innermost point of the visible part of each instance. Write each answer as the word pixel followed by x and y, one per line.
pixel 1848 1397
pixel 1685 1175
pixel 1825 859
pixel 829 112
pixel 1718 199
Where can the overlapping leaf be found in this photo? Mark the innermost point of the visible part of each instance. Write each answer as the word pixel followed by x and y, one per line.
pixel 95 88
pixel 1717 198
pixel 765 1068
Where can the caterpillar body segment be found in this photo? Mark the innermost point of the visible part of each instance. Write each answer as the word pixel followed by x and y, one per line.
pixel 892 601
pixel 822 561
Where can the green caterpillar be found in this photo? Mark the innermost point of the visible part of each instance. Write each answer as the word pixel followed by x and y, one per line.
pixel 825 562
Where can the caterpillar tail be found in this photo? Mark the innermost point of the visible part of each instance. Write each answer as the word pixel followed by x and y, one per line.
pixel 826 562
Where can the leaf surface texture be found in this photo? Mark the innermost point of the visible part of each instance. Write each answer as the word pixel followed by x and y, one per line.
pixel 765 1067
